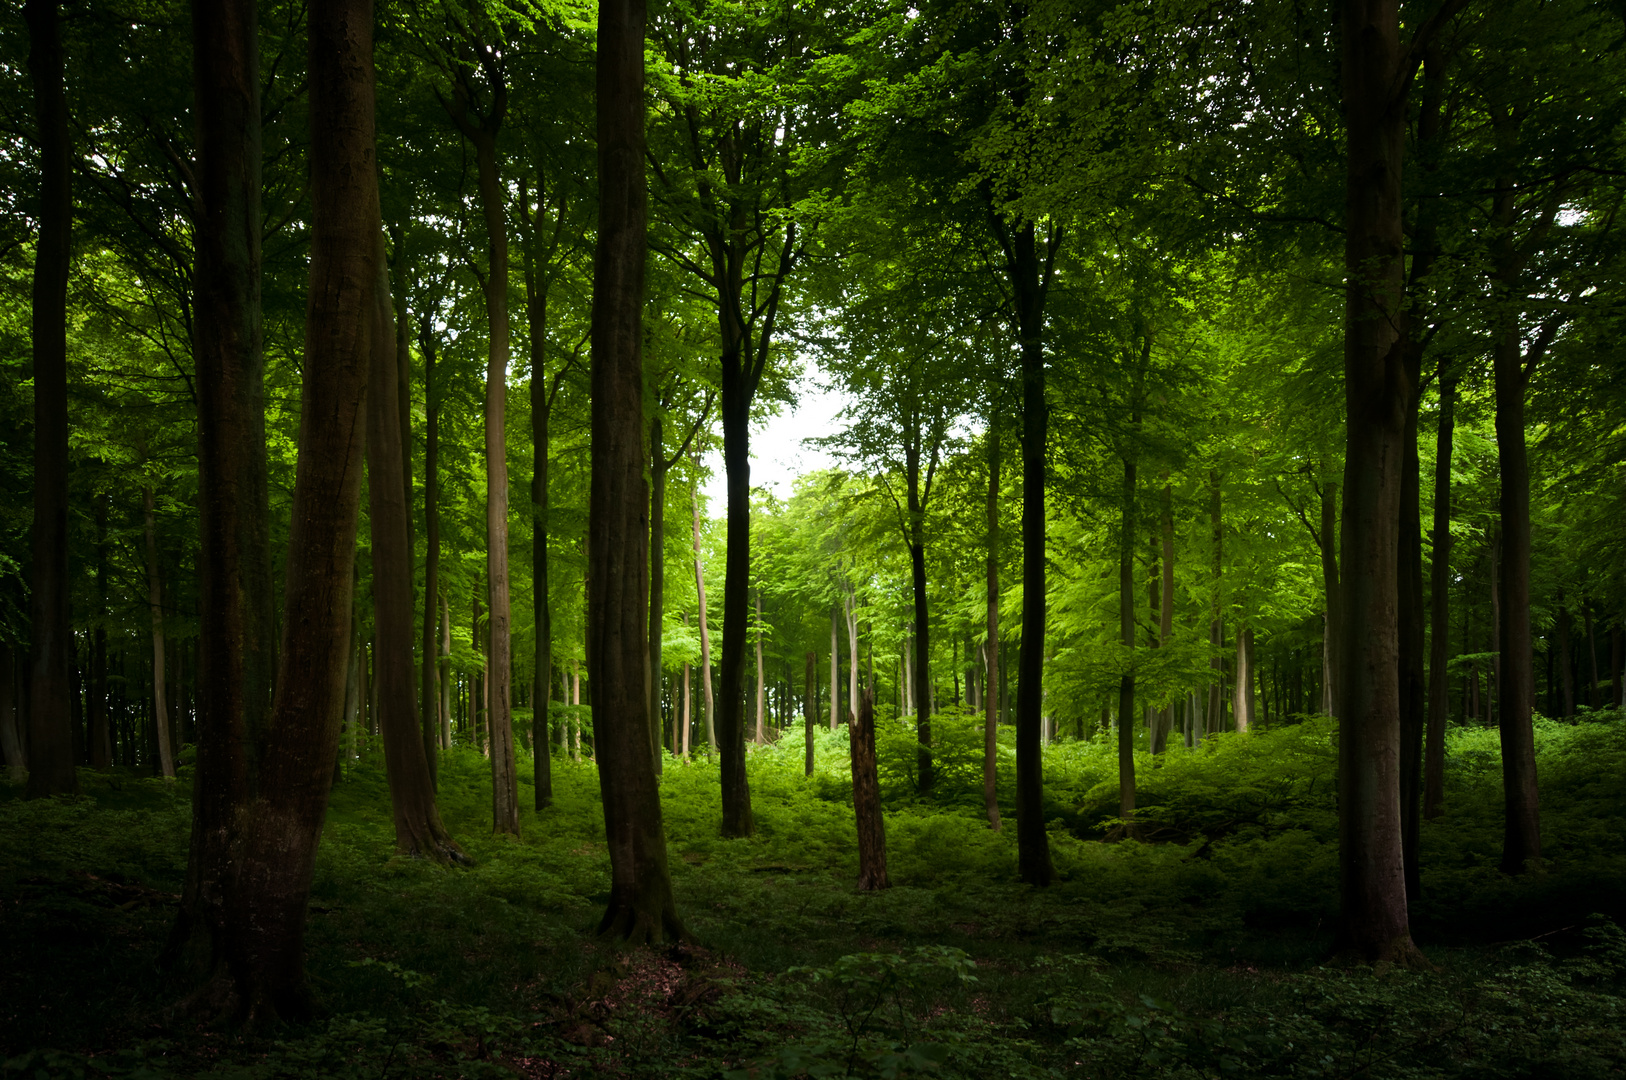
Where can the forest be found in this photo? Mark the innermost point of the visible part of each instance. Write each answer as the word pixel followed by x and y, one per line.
pixel 1205 655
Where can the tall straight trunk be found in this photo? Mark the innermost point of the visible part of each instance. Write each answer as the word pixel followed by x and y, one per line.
pixel 445 671
pixel 810 705
pixel 641 906
pixel 850 609
pixel 1439 693
pixel 1374 924
pixel 1566 661
pixel 352 679
pixel 1029 274
pixel 1165 627
pixel 990 721
pixel 1521 838
pixel 867 799
pixel 101 747
pixel 1242 705
pixel 657 573
pixel 276 856
pixel 1334 598
pixel 705 632
pixel 688 708
pixel 418 828
pixel 835 667
pixel 1410 642
pixel 1126 638
pixel 50 726
pixel 155 606
pixel 1592 699
pixel 1216 624
pixel 760 737
pixel 922 637
pixel 736 789
pixel 431 675
pixel 536 316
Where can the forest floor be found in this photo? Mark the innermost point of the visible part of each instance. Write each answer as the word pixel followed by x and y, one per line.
pixel 1203 950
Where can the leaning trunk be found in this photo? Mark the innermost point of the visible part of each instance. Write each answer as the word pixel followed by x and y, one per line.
pixel 418 829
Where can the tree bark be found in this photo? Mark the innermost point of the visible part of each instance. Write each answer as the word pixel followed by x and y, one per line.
pixel 705 632
pixel 1334 594
pixel 418 828
pixel 276 856
pixel 155 607
pixel 922 636
pixel 990 722
pixel 809 706
pixel 434 710
pixel 835 666
pixel 536 315
pixel 1126 638
pixel 761 698
pixel 1373 920
pixel 1409 617
pixel 641 906
pixel 1216 623
pixel 867 799
pixel 1439 693
pixel 50 715
pixel 1165 626
pixel 1242 707
pixel 737 394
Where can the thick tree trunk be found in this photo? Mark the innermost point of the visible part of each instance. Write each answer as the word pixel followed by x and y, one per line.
pixel 1242 705
pixel 736 790
pixel 641 906
pixel 922 657
pixel 276 856
pixel 418 828
pixel 867 799
pixel 705 633
pixel 1374 924
pixel 50 713
pixel 1033 846
pixel 990 722
pixel 155 606
pixel 433 709
pixel 1440 602
pixel 1521 840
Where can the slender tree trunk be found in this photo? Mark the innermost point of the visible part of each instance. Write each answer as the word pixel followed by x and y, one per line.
pixel 1440 602
pixel 1522 826
pixel 810 705
pixel 276 855
pixel 736 408
pixel 1216 623
pixel 1374 924
pixel 1592 699
pixel 657 572
pixel 1243 701
pixel 1126 638
pixel 445 669
pixel 1409 618
pixel 922 635
pixel 541 509
pixel 418 828
pixel 11 743
pixel 705 634
pixel 1334 596
pixel 155 606
pixel 641 906
pixel 1165 629
pixel 850 604
pixel 867 799
pixel 835 667
pixel 761 675
pixel 433 709
pixel 990 722
pixel 50 726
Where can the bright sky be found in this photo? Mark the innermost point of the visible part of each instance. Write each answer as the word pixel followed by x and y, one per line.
pixel 777 453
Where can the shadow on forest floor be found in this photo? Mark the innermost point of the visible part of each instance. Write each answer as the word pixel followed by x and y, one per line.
pixel 1201 956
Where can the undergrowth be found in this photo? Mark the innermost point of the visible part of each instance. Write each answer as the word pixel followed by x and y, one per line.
pixel 1197 948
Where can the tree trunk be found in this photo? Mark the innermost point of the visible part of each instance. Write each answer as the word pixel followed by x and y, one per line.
pixel 1242 707
pixel 418 828
pixel 867 799
pixel 705 633
pixel 1165 628
pixel 50 726
pixel 536 299
pixel 1374 924
pixel 276 856
pixel 433 708
pixel 657 573
pixel 835 667
pixel 1409 619
pixel 850 608
pixel 1126 638
pixel 1334 595
pixel 11 743
pixel 1033 846
pixel 810 706
pixel 641 906
pixel 736 790
pixel 155 606
pixel 761 675
pixel 1216 623
pixel 990 722
pixel 922 659
pixel 1440 602
pixel 1521 841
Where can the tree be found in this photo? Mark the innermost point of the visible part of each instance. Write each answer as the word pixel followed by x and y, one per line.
pixel 641 906
pixel 50 726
